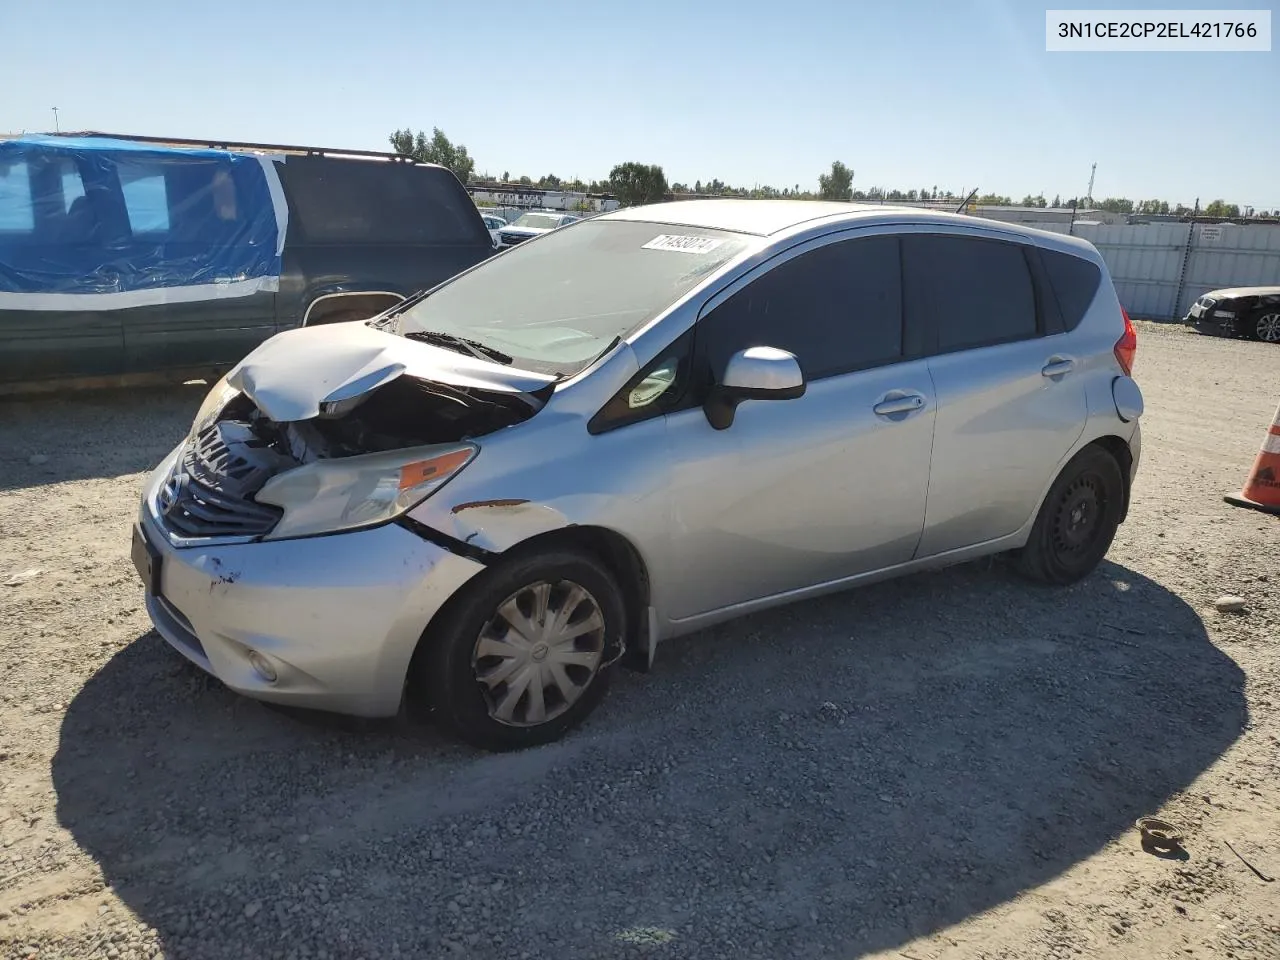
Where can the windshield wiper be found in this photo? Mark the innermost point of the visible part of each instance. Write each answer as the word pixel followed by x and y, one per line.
pixel 460 344
pixel 383 320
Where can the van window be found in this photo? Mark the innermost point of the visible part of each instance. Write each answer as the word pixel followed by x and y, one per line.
pixel 974 292
pixel 17 212
pixel 377 201
pixel 146 199
pixel 72 185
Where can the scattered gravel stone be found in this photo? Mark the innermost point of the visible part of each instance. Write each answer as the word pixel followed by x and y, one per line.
pixel 17 579
pixel 1230 604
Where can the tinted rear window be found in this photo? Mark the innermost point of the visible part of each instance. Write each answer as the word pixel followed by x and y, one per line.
pixel 976 292
pixel 1075 283
pixel 375 201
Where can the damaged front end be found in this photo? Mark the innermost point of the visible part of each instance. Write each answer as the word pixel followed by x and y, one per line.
pixel 275 453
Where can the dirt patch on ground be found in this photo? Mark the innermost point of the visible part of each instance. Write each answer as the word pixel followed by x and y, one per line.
pixel 945 766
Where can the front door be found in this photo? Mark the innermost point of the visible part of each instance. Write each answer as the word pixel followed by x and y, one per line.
pixel 801 492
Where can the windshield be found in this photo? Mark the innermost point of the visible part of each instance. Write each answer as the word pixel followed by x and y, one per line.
pixel 557 304
pixel 542 221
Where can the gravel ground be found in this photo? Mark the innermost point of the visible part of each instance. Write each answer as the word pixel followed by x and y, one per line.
pixel 945 766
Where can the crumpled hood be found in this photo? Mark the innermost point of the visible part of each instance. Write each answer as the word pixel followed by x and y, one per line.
pixel 294 372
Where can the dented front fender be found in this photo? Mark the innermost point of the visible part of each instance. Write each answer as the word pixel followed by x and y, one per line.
pixel 498 525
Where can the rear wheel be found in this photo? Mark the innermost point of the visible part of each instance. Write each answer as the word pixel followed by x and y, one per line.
pixel 523 656
pixel 1077 520
pixel 1266 326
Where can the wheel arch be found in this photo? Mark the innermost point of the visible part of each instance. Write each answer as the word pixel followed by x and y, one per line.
pixel 327 302
pixel 613 551
pixel 1118 447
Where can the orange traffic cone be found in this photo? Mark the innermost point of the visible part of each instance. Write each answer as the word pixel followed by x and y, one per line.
pixel 1262 489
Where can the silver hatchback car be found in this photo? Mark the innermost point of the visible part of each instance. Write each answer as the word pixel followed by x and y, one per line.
pixel 628 429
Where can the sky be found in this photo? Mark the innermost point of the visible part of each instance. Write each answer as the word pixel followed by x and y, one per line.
pixel 909 94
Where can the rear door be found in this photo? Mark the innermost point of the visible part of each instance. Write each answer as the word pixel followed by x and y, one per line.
pixel 46 218
pixel 1011 399
pixel 801 492
pixel 370 225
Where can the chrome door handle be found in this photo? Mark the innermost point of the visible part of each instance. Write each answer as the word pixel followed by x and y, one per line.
pixel 1057 366
pixel 912 401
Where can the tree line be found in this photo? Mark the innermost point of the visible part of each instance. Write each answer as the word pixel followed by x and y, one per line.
pixel 637 183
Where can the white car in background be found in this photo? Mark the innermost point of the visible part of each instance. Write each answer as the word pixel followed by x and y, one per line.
pixel 493 225
pixel 533 224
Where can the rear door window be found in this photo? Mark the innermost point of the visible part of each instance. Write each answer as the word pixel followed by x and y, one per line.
pixel 72 185
pixel 971 292
pixel 380 202
pixel 146 198
pixel 838 308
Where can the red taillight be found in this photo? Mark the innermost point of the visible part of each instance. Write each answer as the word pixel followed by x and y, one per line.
pixel 1126 347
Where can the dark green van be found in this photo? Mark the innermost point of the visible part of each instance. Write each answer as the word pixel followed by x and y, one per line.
pixel 124 258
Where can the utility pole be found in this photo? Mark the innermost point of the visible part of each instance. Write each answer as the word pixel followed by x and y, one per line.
pixel 56 128
pixel 1089 196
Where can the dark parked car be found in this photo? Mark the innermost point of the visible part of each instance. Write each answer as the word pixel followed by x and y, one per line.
pixel 1238 311
pixel 124 256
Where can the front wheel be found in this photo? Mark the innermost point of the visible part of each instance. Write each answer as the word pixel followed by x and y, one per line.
pixel 523 655
pixel 1077 521
pixel 1266 326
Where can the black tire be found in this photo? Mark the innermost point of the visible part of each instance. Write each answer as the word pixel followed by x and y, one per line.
pixel 1261 325
pixel 1077 520
pixel 447 676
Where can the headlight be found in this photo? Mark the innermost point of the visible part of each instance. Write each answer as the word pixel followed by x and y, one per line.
pixel 217 398
pixel 351 492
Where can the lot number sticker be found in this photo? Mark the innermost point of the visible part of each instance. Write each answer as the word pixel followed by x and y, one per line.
pixel 683 244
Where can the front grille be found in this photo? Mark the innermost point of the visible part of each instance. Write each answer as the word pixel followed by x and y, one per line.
pixel 510 238
pixel 209 493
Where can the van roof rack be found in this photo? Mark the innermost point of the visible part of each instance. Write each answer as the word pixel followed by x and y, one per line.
pixel 240 145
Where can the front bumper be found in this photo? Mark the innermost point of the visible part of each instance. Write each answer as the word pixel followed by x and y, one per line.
pixel 1214 321
pixel 336 617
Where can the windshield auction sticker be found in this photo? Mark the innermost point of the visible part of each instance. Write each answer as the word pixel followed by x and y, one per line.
pixel 683 244
pixel 1117 31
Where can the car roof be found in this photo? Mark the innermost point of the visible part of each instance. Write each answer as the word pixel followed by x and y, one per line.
pixel 766 218
pixel 759 217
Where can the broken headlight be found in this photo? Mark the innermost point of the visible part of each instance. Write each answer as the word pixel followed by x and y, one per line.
pixel 214 403
pixel 347 493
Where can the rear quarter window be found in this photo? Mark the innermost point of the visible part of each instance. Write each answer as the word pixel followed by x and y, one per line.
pixel 379 202
pixel 1075 283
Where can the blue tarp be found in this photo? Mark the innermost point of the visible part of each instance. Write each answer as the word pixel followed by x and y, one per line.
pixel 94 223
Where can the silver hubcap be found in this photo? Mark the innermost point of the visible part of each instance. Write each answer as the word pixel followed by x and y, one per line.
pixel 539 652
pixel 1269 327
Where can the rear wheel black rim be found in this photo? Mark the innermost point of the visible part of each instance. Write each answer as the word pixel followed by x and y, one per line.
pixel 1078 519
